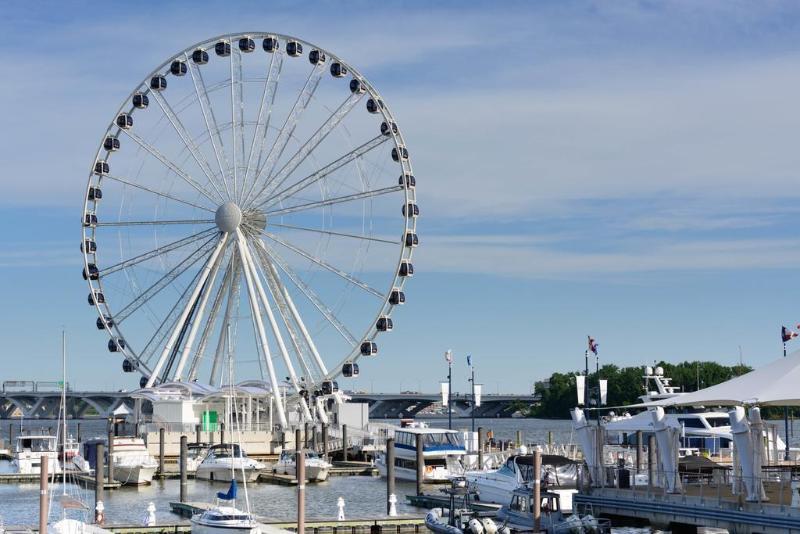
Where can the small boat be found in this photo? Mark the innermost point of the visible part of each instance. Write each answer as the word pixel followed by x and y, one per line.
pixel 225 519
pixel 517 515
pixel 316 467
pixel 133 463
pixel 442 451
pixel 225 462
pixel 458 518
pixel 29 450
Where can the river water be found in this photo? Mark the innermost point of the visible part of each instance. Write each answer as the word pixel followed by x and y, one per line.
pixel 364 496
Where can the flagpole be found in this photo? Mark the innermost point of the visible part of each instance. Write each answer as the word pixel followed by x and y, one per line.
pixel 472 368
pixel 449 394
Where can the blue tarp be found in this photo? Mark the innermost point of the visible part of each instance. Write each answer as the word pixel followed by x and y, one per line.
pixel 230 495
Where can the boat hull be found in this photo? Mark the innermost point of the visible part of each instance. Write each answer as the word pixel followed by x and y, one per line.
pixel 436 476
pixel 200 527
pixel 134 475
pixel 314 473
pixel 223 474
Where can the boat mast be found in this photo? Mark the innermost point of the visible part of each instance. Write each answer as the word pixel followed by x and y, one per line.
pixel 64 407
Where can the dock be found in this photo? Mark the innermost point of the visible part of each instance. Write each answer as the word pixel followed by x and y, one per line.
pixel 399 524
pixel 33 478
pixel 429 501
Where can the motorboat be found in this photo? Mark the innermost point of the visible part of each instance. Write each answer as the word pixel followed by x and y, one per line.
pixel 496 486
pixel 442 451
pixel 518 515
pixel 196 452
pixel 29 450
pixel 133 463
pixel 316 467
pixel 459 517
pixel 225 462
pixel 225 518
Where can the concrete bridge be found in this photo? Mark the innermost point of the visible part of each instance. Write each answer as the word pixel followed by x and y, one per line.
pixel 42 403
pixel 396 405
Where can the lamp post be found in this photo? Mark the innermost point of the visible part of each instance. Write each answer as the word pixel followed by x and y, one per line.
pixel 472 381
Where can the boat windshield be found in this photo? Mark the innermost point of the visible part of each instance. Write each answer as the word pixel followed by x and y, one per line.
pixel 443 440
pixel 718 421
pixel 37 444
pixel 228 451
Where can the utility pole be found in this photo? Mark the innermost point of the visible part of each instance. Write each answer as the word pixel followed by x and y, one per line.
pixel 472 380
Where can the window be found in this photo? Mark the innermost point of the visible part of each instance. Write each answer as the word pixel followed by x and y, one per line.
pixel 691 422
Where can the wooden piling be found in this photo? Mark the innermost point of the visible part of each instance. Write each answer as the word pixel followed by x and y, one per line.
pixel 420 463
pixel 300 460
pixel 389 473
pixel 99 473
pixel 182 464
pixel 44 500
pixel 480 447
pixel 161 451
pixel 651 460
pixel 344 442
pixel 222 433
pixel 111 434
pixel 639 450
pixel 305 435
pixel 325 442
pixel 197 437
pixel 298 439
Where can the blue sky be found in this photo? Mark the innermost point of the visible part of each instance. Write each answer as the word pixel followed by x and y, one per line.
pixel 621 169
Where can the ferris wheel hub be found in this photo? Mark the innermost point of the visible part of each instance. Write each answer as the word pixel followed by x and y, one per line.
pixel 228 217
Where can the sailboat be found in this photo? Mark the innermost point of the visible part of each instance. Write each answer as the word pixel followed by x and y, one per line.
pixel 69 525
pixel 224 517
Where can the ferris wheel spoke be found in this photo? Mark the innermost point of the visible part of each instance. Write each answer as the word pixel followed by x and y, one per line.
pixel 231 307
pixel 297 159
pixel 338 272
pixel 269 267
pixel 234 130
pixel 312 297
pixel 157 252
pixel 208 114
pixel 268 98
pixel 173 167
pixel 339 234
pixel 323 172
pixel 162 282
pixel 287 129
pixel 157 223
pixel 212 318
pixel 197 316
pixel 335 200
pixel 158 193
pixel 190 145
pixel 255 309
pixel 189 308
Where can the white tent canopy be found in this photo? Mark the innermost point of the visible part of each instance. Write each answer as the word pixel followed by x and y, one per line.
pixel 775 384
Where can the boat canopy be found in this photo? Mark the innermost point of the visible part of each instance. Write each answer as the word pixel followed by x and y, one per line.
pixel 774 384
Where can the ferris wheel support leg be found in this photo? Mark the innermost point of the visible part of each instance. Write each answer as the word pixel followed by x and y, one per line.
pixel 212 319
pixel 255 308
pixel 187 309
pixel 232 304
pixel 198 317
pixel 249 265
pixel 295 314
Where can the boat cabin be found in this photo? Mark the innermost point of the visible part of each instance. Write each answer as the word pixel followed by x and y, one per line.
pixel 522 502
pixel 226 450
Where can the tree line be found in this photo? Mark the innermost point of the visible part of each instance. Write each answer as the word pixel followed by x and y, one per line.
pixel 626 384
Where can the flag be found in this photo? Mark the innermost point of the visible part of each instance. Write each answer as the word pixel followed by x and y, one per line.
pixel 787 334
pixel 469 360
pixel 230 495
pixel 580 382
pixel 449 356
pixel 592 345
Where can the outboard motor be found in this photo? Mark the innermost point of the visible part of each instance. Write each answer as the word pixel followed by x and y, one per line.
pixel 475 526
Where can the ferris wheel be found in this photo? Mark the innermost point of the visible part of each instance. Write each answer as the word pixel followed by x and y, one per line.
pixel 251 201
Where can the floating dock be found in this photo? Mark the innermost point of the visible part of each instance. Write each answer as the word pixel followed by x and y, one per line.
pixel 33 478
pixel 399 524
pixel 443 501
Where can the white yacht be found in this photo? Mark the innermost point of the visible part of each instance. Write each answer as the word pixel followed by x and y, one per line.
pixel 133 463
pixel 196 453
pixel 316 467
pixel 28 452
pixel 442 451
pixel 227 461
pixel 701 430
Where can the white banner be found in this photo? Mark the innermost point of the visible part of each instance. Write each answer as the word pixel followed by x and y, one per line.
pixel 580 383
pixel 445 393
pixel 603 392
pixel 476 390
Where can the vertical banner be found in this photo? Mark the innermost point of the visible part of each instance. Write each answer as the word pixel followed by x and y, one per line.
pixel 445 393
pixel 603 392
pixel 580 383
pixel 476 390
